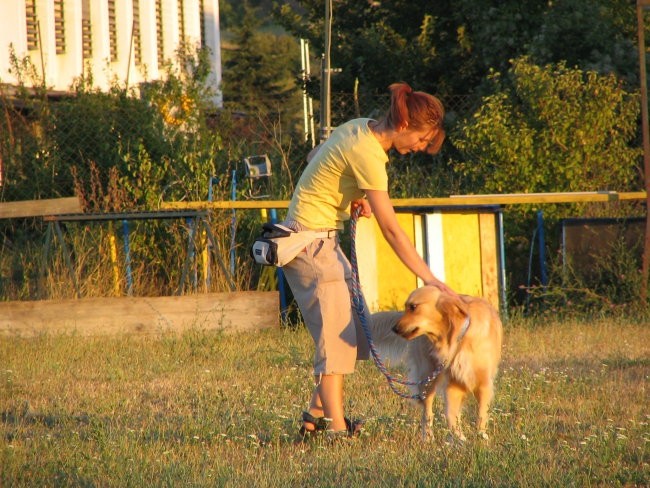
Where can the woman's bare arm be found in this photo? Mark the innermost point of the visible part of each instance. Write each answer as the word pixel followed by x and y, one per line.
pixel 398 240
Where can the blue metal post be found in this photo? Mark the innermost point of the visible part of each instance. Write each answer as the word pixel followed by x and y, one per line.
pixel 542 248
pixel 273 215
pixel 502 258
pixel 191 224
pixel 233 222
pixel 208 278
pixel 213 181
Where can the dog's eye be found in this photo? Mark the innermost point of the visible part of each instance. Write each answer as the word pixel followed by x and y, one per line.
pixel 411 307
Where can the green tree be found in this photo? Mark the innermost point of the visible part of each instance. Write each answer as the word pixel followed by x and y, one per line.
pixel 596 35
pixel 376 43
pixel 449 46
pixel 259 70
pixel 549 129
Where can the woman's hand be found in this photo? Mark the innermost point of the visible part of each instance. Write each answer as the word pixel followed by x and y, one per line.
pixel 444 288
pixel 399 241
pixel 362 204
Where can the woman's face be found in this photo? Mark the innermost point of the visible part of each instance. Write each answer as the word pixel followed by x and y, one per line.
pixel 409 140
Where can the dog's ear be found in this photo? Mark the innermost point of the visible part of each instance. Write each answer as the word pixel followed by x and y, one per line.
pixel 456 312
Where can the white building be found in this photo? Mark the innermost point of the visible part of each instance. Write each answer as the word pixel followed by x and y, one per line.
pixel 127 41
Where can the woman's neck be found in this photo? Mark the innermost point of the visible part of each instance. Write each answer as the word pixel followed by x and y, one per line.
pixel 382 132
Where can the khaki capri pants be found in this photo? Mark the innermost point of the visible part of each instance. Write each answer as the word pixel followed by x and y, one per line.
pixel 320 279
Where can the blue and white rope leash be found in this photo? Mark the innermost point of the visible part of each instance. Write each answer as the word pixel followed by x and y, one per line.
pixel 360 305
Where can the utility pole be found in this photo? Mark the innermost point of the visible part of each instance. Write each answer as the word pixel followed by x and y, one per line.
pixel 326 75
pixel 307 104
pixel 641 6
pixel 212 31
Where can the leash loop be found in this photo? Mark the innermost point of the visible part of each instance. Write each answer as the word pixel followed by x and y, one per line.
pixel 360 305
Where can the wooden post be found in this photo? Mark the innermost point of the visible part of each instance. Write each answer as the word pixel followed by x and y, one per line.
pixel 640 7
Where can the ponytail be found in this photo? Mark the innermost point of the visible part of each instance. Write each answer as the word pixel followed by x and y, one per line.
pixel 414 109
pixel 398 115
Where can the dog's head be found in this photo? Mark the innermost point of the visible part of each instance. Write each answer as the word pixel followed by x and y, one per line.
pixel 431 312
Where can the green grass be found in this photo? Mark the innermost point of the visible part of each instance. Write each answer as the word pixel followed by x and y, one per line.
pixel 206 409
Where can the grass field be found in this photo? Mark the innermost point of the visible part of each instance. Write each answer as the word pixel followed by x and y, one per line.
pixel 206 409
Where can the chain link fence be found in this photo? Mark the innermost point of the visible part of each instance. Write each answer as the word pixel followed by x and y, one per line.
pixel 346 106
pixel 50 145
pixel 121 153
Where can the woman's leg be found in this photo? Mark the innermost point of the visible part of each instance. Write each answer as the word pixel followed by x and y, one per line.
pixel 317 280
pixel 327 401
pixel 329 393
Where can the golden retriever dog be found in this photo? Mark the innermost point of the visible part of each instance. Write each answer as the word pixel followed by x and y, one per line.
pixel 460 335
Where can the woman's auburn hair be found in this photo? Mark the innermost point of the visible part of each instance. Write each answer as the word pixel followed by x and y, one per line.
pixel 418 110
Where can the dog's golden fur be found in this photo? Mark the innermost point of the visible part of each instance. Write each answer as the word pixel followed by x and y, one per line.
pixel 431 331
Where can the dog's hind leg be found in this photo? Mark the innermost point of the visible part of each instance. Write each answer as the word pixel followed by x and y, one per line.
pixel 454 397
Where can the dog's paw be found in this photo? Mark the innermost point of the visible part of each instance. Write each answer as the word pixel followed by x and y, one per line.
pixel 455 440
pixel 427 434
pixel 483 435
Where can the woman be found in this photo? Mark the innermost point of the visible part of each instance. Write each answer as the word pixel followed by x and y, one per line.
pixel 345 173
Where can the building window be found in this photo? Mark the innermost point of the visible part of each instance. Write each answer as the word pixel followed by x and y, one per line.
pixel 181 19
pixel 32 25
pixel 112 29
pixel 137 41
pixel 59 26
pixel 86 30
pixel 160 45
pixel 202 21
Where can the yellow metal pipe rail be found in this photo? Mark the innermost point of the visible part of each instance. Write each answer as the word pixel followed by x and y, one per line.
pixel 452 201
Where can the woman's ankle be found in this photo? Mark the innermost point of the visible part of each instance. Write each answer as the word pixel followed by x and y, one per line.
pixel 316 412
pixel 337 425
pixel 313 422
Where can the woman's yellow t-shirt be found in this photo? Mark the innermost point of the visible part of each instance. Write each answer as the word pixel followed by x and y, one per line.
pixel 350 161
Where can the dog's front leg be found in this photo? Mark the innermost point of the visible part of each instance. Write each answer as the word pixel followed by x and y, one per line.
pixel 484 398
pixel 427 416
pixel 454 397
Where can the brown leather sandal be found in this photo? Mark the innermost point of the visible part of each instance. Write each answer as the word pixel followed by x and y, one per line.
pixel 320 425
pixel 353 427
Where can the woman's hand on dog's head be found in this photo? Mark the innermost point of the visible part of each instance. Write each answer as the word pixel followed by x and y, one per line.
pixel 443 288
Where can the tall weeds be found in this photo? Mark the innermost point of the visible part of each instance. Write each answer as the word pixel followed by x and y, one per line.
pixel 129 151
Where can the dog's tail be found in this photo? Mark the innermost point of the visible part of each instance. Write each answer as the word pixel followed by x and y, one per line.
pixel 390 346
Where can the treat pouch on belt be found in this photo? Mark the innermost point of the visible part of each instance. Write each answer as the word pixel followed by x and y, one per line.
pixel 278 245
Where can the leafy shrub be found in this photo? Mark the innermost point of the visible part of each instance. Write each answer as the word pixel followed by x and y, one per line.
pixel 130 150
pixel 550 129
